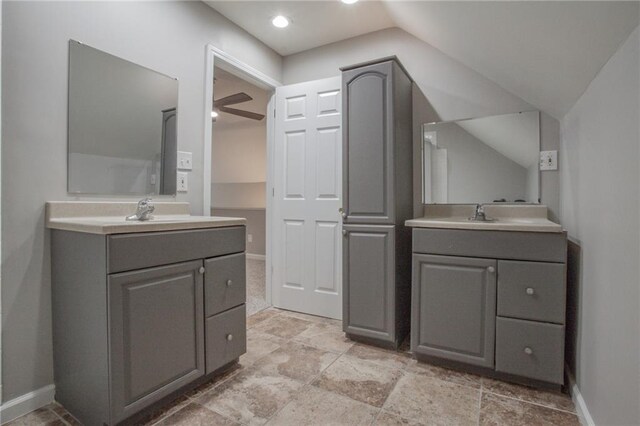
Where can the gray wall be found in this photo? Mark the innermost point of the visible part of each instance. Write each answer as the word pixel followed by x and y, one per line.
pixel 600 184
pixel 256 226
pixel 1 7
pixel 169 37
pixel 451 90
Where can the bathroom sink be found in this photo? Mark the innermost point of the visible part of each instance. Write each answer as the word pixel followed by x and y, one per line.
pixel 526 218
pixel 109 218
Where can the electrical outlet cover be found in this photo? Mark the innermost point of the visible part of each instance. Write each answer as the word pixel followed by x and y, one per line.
pixel 185 160
pixel 548 160
pixel 183 182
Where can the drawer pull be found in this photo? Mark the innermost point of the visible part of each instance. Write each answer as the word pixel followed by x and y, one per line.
pixel 229 283
pixel 530 291
pixel 491 269
pixel 229 337
pixel 201 270
pixel 528 350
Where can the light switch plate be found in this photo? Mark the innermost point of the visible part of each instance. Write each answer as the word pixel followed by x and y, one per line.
pixel 548 160
pixel 185 160
pixel 183 182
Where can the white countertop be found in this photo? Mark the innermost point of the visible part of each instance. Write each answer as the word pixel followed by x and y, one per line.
pixel 523 218
pixel 109 218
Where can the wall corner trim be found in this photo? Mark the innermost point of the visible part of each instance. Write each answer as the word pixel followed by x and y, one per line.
pixel 27 403
pixel 581 406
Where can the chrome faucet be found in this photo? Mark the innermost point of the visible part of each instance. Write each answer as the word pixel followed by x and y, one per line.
pixel 143 211
pixel 479 215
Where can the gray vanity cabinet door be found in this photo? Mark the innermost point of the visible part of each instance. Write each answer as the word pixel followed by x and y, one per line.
pixel 454 308
pixel 156 323
pixel 368 144
pixel 368 281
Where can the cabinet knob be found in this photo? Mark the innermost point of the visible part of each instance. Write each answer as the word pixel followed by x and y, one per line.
pixel 344 232
pixel 528 350
pixel 491 269
pixel 229 337
pixel 344 215
pixel 201 270
pixel 530 291
pixel 229 283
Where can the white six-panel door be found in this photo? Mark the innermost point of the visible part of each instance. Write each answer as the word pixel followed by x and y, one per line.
pixel 307 235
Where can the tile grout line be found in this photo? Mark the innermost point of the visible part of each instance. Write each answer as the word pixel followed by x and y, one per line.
pixel 530 402
pixel 480 402
pixel 59 416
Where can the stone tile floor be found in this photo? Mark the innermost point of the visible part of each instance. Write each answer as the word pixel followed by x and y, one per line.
pixel 256 286
pixel 301 370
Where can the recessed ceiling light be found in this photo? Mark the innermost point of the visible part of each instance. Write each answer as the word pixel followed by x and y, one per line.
pixel 280 21
pixel 214 114
pixel 348 1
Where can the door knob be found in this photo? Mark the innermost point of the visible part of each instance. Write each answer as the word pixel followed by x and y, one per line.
pixel 491 269
pixel 229 282
pixel 528 350
pixel 229 337
pixel 530 291
pixel 201 270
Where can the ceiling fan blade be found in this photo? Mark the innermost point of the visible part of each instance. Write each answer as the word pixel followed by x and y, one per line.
pixel 232 99
pixel 241 113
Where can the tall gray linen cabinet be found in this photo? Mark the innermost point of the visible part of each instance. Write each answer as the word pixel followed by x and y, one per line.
pixel 377 199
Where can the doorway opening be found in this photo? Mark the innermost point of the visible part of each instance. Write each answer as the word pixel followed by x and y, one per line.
pixel 239 170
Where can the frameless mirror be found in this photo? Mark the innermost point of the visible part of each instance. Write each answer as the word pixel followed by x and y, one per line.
pixel 122 126
pixel 482 160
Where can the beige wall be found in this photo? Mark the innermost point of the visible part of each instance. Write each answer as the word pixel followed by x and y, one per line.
pixel 169 37
pixel 239 148
pixel 256 226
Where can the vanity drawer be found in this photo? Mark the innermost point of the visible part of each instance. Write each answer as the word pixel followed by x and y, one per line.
pixel 224 283
pixel 532 290
pixel 535 246
pixel 226 337
pixel 127 252
pixel 530 349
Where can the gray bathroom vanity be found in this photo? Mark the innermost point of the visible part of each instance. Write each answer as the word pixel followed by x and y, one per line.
pixel 141 310
pixel 490 295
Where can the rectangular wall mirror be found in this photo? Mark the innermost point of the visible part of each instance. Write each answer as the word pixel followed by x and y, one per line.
pixel 122 126
pixel 482 160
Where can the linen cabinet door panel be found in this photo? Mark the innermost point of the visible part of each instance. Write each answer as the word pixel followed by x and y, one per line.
pixel 368 144
pixel 369 283
pixel 454 308
pixel 156 323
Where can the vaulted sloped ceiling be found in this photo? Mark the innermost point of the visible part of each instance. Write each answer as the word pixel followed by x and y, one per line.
pixel 545 52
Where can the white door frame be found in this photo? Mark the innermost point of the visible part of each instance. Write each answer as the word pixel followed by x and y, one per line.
pixel 217 58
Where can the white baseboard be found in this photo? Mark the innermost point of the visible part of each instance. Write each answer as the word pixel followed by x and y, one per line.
pixel 581 406
pixel 255 256
pixel 26 403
